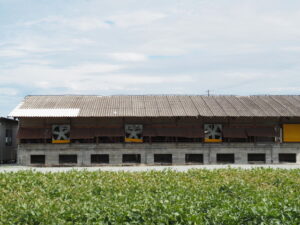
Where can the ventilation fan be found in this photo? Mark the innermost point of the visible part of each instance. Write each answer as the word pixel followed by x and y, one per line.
pixel 213 132
pixel 61 134
pixel 133 133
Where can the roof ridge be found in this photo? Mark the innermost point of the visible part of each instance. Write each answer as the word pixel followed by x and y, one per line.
pixel 120 95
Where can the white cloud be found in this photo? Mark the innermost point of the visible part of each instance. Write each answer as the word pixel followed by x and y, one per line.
pixel 11 53
pixel 245 76
pixel 221 28
pixel 29 75
pixel 138 18
pixel 87 23
pixel 36 61
pixel 85 77
pixel 291 49
pixel 125 82
pixel 103 47
pixel 215 41
pixel 23 48
pixel 94 68
pixel 176 29
pixel 284 89
pixel 38 45
pixel 82 41
pixel 128 56
pixel 8 91
pixel 80 23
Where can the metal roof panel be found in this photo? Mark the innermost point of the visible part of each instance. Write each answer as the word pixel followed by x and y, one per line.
pixel 158 106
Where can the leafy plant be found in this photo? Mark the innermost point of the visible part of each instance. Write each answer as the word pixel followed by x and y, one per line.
pixel 225 196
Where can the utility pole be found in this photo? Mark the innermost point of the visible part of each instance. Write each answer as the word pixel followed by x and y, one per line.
pixel 208 92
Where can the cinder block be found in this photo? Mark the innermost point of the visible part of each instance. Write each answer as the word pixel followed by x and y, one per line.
pixel 147 151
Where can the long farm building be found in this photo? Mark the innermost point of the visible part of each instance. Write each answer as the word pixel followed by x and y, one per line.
pixel 157 129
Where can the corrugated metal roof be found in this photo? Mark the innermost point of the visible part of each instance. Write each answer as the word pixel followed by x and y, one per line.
pixel 159 106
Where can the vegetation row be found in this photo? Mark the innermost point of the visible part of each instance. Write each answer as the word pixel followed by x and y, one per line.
pixel 225 196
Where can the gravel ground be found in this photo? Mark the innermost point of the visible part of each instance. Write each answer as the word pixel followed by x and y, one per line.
pixel 16 168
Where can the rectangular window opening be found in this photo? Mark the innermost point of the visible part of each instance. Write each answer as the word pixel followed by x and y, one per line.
pixel 225 158
pixel 287 158
pixel 131 158
pixel 163 139
pixel 32 141
pixel 116 139
pixel 67 159
pixel 236 140
pixel 100 158
pixel 163 158
pixel 83 141
pixel 37 159
pixel 194 158
pixel 256 158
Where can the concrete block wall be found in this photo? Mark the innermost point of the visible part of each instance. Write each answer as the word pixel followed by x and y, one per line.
pixel 147 151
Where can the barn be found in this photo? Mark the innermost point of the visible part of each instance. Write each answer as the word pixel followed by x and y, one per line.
pixel 8 143
pixel 157 129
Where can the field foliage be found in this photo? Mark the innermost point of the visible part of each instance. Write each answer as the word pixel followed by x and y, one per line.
pixel 226 196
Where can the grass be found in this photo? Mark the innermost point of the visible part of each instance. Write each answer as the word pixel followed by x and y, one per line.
pixel 225 196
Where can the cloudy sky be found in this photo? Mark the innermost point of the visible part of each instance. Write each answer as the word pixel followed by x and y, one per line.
pixel 108 47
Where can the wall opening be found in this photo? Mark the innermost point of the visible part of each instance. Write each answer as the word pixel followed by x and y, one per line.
pixel 67 159
pixel 131 158
pixel 265 139
pixel 193 158
pixel 100 158
pixel 256 158
pixel 8 137
pixel 83 141
pixel 236 140
pixel 32 141
pixel 111 139
pixel 163 139
pixel 37 159
pixel 287 158
pixel 225 158
pixel 184 139
pixel 163 158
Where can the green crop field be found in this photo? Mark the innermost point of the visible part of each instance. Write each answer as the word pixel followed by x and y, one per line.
pixel 226 196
